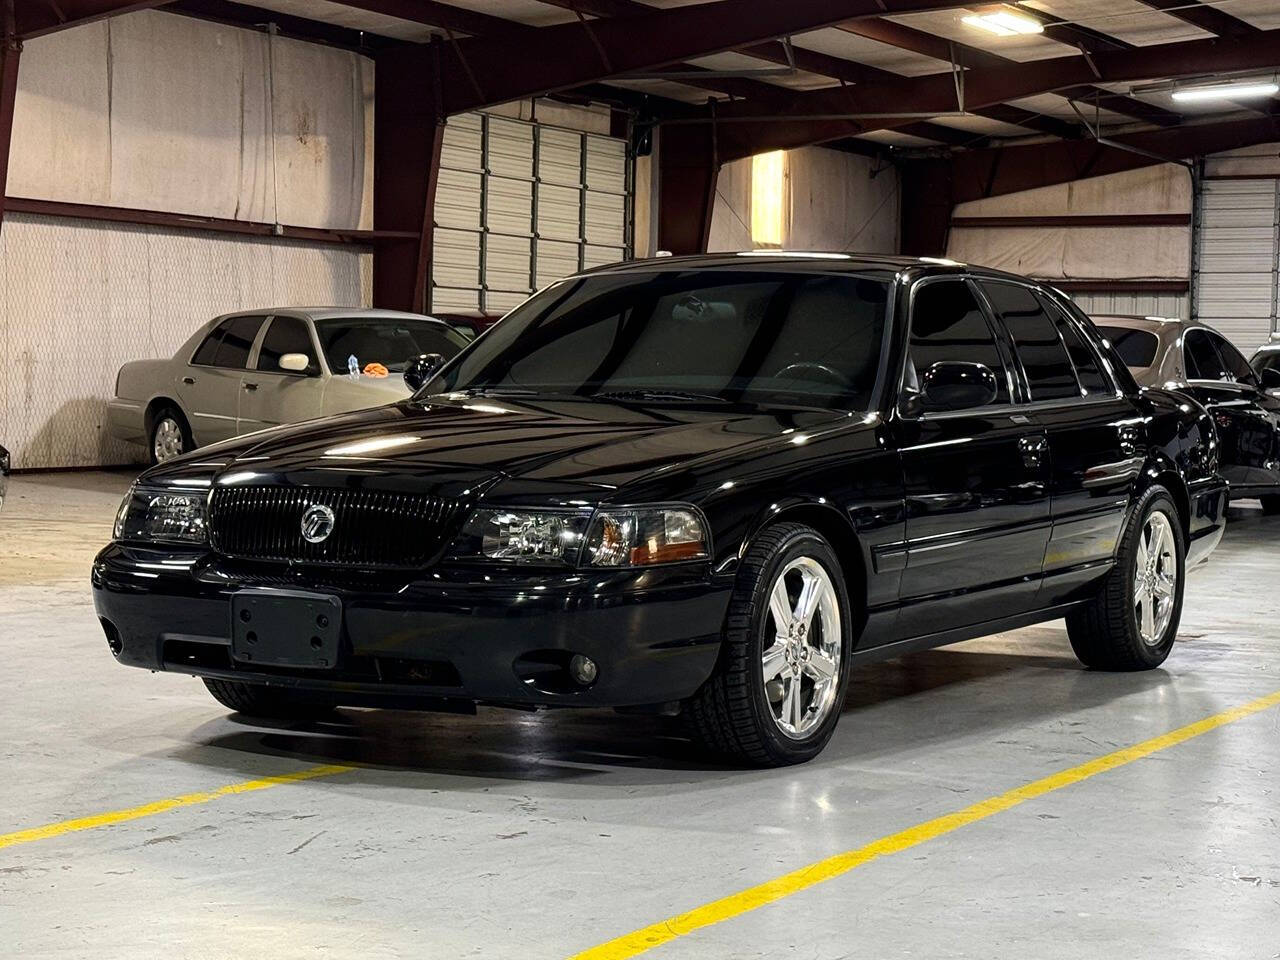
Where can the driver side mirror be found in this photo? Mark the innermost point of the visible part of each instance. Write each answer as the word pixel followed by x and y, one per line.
pixel 957 385
pixel 421 369
pixel 1270 377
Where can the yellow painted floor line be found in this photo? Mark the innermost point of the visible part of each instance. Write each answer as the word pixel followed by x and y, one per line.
pixel 57 829
pixel 638 942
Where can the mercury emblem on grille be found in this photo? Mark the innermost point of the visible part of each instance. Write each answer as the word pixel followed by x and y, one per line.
pixel 317 523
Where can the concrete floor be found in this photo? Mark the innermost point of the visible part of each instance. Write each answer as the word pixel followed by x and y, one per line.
pixel 513 835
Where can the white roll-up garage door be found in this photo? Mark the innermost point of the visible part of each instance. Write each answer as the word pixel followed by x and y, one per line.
pixel 521 204
pixel 1238 246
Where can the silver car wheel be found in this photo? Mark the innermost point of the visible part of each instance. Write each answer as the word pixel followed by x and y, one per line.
pixel 168 441
pixel 1155 578
pixel 801 666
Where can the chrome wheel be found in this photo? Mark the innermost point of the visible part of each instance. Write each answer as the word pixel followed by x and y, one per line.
pixel 1155 578
pixel 167 442
pixel 801 660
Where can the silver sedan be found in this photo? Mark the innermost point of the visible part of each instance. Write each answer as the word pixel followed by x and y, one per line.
pixel 247 371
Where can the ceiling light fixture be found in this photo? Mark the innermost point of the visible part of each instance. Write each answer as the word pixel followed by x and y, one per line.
pixel 1227 91
pixel 1004 21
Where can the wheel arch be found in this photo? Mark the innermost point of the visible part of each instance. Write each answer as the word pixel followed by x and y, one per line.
pixel 1161 470
pixel 155 405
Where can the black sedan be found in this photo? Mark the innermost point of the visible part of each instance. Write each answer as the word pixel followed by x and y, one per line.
pixel 711 484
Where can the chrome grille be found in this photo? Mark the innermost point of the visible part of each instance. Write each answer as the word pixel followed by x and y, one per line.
pixel 372 528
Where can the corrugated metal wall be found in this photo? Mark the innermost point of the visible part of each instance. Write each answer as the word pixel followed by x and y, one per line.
pixel 520 204
pixel 1134 304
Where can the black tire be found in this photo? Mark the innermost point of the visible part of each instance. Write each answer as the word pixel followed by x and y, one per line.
pixel 258 700
pixel 168 413
pixel 1270 504
pixel 1105 633
pixel 731 715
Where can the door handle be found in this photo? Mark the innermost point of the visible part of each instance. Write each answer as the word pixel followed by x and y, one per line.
pixel 251 386
pixel 1033 450
pixel 188 380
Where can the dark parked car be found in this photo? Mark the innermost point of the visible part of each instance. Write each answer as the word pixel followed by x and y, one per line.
pixel 714 483
pixel 1196 359
pixel 4 474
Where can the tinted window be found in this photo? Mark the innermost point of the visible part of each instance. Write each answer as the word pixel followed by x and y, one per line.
pixel 286 335
pixel 1044 358
pixel 238 334
pixel 1233 360
pixel 1088 369
pixel 948 324
pixel 719 334
pixel 389 341
pixel 1202 360
pixel 1136 348
pixel 209 348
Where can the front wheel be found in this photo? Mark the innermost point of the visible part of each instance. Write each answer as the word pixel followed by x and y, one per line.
pixel 779 687
pixel 1132 621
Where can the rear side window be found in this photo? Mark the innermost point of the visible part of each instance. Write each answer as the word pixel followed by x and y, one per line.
pixel 1050 375
pixel 1136 348
pixel 229 344
pixel 1202 360
pixel 947 324
pixel 1233 360
pixel 209 348
pixel 286 335
pixel 1088 371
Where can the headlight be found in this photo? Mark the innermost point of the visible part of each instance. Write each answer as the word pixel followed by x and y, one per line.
pixel 162 515
pixel 611 537
pixel 635 537
pixel 523 536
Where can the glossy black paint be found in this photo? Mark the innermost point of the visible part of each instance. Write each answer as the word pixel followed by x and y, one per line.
pixel 1247 417
pixel 949 524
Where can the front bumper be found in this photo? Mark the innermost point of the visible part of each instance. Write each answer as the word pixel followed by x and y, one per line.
pixel 462 634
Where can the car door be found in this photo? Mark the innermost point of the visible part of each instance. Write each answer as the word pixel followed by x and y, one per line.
pixel 1095 433
pixel 975 480
pixel 210 388
pixel 1247 417
pixel 271 395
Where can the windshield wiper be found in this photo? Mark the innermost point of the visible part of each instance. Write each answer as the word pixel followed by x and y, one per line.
pixel 659 396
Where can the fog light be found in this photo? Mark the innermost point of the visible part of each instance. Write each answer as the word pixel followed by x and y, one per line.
pixel 583 669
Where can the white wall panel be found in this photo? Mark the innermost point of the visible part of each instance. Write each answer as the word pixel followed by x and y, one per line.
pixel 80 298
pixel 1134 304
pixel 1238 263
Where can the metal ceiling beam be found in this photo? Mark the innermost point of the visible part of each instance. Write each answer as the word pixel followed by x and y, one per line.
pixel 1205 17
pixel 447 17
pixel 490 70
pixel 35 18
pixel 297 28
pixel 940 48
pixel 846 109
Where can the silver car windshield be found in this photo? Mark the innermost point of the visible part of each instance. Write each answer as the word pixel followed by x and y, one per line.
pixel 391 342
pixel 808 339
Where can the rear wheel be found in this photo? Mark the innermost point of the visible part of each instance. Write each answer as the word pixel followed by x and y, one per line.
pixel 1132 621
pixel 170 435
pixel 778 689
pixel 258 700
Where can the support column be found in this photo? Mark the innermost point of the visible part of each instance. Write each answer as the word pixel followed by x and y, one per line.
pixel 688 168
pixel 9 56
pixel 408 131
pixel 927 201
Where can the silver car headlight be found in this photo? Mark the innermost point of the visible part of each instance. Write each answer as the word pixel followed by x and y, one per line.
pixel 162 515
pixel 608 537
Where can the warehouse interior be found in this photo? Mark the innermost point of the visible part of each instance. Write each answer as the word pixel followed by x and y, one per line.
pixel 169 161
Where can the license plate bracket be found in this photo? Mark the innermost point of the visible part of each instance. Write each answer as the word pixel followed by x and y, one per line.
pixel 285 628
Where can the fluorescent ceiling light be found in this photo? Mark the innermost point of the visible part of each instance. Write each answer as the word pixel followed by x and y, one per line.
pixel 1004 22
pixel 1225 91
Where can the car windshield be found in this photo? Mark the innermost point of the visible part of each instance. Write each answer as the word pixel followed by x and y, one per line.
pixel 689 336
pixel 390 342
pixel 1137 348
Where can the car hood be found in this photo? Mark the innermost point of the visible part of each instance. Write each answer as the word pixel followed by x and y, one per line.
pixel 467 447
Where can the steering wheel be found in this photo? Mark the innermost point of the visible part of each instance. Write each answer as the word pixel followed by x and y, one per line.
pixel 823 371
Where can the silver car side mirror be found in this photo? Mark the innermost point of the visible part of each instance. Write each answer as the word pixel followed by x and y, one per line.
pixel 294 362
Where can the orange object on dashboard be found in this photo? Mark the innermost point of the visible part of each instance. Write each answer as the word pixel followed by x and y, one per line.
pixel 375 370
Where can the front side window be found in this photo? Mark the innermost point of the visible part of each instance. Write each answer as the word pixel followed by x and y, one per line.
pixel 390 342
pixel 947 324
pixel 286 335
pixel 718 335
pixel 1044 359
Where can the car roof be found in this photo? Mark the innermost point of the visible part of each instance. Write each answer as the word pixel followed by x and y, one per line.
pixel 826 262
pixel 1157 325
pixel 331 313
